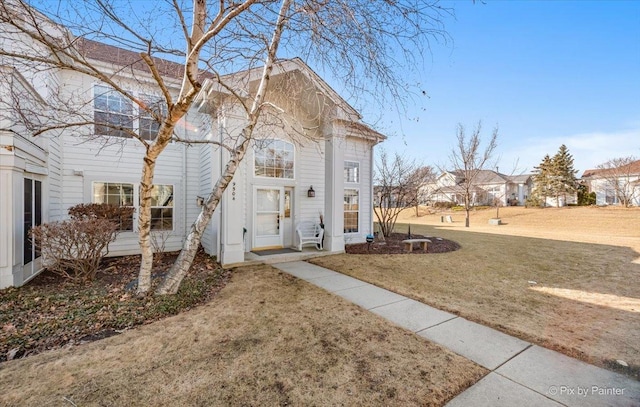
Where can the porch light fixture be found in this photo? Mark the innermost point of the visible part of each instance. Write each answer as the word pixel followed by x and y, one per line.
pixel 311 193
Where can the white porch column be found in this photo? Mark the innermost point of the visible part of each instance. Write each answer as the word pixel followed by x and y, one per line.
pixel 521 194
pixel 11 219
pixel 334 190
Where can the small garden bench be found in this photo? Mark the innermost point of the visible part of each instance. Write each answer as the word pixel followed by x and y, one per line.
pixel 408 244
pixel 309 233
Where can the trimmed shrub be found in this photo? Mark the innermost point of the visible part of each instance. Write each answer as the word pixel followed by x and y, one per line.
pixel 75 247
pixel 121 215
pixel 444 205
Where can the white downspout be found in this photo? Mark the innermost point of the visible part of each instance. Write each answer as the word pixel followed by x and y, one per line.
pixel 184 187
pixel 371 166
pixel 221 209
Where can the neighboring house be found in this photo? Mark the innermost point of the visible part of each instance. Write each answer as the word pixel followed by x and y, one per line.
pixel 615 185
pixel 488 187
pixel 288 176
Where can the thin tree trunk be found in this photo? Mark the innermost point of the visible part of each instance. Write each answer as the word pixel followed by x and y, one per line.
pixel 183 263
pixel 144 226
pixel 144 217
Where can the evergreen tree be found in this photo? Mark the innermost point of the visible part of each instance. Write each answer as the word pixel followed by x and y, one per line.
pixel 542 181
pixel 554 177
pixel 564 175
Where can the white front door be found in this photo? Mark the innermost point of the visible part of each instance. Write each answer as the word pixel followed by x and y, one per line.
pixel 269 213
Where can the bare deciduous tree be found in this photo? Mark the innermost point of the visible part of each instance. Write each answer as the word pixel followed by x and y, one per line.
pixel 427 176
pixel 367 44
pixel 469 159
pixel 619 174
pixel 397 181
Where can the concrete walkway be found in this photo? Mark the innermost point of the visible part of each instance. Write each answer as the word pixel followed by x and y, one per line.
pixel 521 374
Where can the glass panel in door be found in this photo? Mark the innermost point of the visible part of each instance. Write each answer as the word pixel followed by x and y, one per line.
pixel 268 215
pixel 32 199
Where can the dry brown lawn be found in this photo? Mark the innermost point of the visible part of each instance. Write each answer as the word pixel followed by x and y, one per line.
pixel 266 339
pixel 567 279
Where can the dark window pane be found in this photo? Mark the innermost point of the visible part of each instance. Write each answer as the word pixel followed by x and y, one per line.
pixel 27 248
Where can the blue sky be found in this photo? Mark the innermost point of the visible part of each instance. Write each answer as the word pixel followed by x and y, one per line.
pixel 546 72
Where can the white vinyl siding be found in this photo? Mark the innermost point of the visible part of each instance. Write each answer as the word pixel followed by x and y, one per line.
pixel 310 170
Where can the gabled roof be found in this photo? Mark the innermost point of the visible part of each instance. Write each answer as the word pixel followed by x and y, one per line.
pixel 98 51
pixel 519 179
pixel 483 176
pixel 350 117
pixel 488 177
pixel 280 67
pixel 633 168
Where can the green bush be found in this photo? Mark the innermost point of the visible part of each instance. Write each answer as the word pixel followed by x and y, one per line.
pixel 534 200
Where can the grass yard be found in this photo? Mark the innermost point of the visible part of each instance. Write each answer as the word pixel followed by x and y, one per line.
pixel 266 339
pixel 585 301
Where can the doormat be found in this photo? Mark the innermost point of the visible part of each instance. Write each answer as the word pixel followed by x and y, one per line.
pixel 274 251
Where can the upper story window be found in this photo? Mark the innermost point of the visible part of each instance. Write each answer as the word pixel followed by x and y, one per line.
pixel 351 171
pixel 148 125
pixel 112 109
pixel 274 158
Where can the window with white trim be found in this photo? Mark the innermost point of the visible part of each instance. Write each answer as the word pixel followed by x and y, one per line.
pixel 116 115
pixel 111 109
pixel 274 159
pixel 351 172
pixel 162 207
pixel 351 210
pixel 119 194
pixel 125 194
pixel 148 125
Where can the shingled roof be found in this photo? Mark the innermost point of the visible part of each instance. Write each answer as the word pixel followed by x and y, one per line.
pixel 121 57
pixel 631 168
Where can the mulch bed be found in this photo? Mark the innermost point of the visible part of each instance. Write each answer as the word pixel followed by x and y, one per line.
pixel 51 312
pixel 393 245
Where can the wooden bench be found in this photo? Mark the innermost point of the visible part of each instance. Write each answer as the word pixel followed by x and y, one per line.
pixel 408 244
pixel 309 233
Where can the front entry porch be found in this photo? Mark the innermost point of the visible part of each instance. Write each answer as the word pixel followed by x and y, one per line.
pixel 306 253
